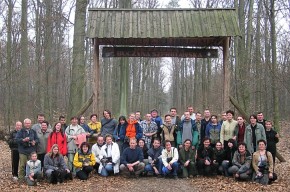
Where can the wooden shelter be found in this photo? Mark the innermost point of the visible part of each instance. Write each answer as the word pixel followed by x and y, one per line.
pixel 175 28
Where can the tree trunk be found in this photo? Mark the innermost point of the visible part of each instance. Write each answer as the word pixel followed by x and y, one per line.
pixel 78 67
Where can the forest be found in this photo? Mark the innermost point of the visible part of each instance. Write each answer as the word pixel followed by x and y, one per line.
pixel 46 63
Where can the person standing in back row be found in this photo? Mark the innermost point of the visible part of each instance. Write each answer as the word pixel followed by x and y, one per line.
pixel 228 129
pixel 108 123
pixel 12 142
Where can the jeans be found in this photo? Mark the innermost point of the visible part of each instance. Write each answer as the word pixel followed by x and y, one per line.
pixel 173 171
pixel 106 169
pixel 225 165
pixel 70 166
pixel 158 165
pixel 84 173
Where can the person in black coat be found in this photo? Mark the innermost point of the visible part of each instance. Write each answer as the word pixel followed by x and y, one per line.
pixel 229 154
pixel 272 138
pixel 205 158
pixel 13 145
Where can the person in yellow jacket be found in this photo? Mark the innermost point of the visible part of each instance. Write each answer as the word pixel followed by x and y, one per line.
pixel 95 126
pixel 84 160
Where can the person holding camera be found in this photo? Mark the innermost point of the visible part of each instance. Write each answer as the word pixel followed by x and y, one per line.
pixel 55 167
pixel 110 157
pixel 262 164
pixel 154 158
pixel 170 160
pixel 27 140
pixel 205 158
pixel 84 160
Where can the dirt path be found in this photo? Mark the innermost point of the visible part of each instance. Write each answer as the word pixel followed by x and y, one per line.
pixel 151 184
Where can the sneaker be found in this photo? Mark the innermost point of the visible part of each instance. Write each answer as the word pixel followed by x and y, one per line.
pixel 15 178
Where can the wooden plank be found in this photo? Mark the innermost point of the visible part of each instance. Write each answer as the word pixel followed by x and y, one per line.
pixel 118 28
pixel 130 24
pixel 139 25
pixel 134 24
pixel 162 24
pixel 113 25
pixel 108 24
pixel 148 32
pixel 158 52
pixel 186 23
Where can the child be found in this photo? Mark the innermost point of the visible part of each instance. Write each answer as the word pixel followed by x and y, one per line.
pixel 33 170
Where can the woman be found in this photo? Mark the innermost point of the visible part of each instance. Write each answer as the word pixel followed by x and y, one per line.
pixel 110 157
pixel 228 129
pixel 262 164
pixel 84 161
pixel 254 132
pixel 212 130
pixel 272 138
pixel 75 135
pixel 108 124
pixel 55 167
pixel 95 127
pixel 219 157
pixel 240 129
pixel 59 138
pixel 205 157
pixel 141 144
pixel 229 154
pixel 187 160
pixel 119 139
pixel 132 130
pixel 242 159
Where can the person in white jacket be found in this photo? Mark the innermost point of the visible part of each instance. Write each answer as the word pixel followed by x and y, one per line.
pixel 170 160
pixel 110 157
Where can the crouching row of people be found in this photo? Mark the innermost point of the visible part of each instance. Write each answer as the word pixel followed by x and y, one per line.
pixel 239 163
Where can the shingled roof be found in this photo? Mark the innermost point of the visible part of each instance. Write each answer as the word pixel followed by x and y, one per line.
pixel 197 27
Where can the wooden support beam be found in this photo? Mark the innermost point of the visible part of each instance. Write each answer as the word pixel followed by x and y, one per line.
pixel 159 52
pixel 96 83
pixel 226 74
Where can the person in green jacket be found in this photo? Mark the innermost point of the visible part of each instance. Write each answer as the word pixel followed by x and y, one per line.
pixel 187 160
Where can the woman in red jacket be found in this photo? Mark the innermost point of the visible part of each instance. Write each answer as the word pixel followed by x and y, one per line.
pixel 59 138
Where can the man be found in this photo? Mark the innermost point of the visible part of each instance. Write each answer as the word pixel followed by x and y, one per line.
pixel 157 119
pixel 149 128
pixel 175 119
pixel 170 160
pixel 223 118
pixel 169 131
pixel 108 123
pixel 200 127
pixel 191 112
pixel 260 119
pixel 132 160
pixel 187 130
pixel 206 117
pixel 154 158
pixel 62 122
pixel 138 116
pixel 96 149
pixel 13 145
pixel 40 119
pixel 42 135
pixel 27 140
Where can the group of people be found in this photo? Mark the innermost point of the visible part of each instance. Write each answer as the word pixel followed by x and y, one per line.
pixel 184 146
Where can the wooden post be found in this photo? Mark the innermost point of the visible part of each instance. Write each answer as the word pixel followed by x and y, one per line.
pixel 226 74
pixel 96 84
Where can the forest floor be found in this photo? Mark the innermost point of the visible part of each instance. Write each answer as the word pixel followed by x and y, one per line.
pixel 152 184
